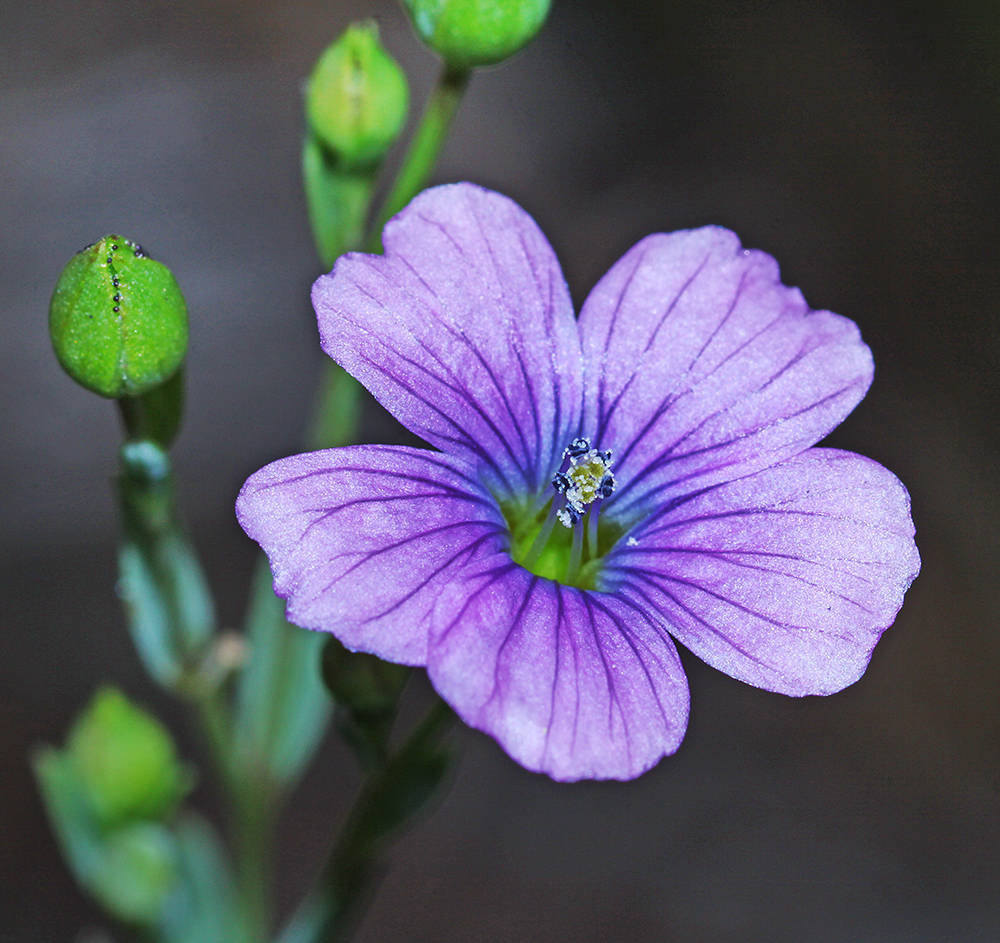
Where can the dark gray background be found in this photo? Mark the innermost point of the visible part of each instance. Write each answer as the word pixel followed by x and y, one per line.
pixel 859 147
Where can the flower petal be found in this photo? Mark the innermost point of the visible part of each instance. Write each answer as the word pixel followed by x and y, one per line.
pixel 576 684
pixel 701 367
pixel 464 331
pixel 784 579
pixel 360 539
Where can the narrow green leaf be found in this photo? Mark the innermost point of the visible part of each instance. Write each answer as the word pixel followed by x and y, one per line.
pixel 168 604
pixel 147 615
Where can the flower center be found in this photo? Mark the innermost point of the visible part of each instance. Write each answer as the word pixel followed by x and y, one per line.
pixel 572 553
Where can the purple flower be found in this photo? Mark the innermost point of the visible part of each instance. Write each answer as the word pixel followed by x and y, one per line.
pixel 602 484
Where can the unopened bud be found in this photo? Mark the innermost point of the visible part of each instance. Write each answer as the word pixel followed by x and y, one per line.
pixel 117 319
pixel 357 97
pixel 468 33
pixel 125 762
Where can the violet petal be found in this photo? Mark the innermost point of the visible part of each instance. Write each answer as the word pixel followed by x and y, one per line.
pixel 361 538
pixel 576 684
pixel 701 367
pixel 464 331
pixel 784 579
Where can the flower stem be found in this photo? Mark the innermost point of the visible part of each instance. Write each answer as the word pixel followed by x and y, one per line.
pixel 389 799
pixel 254 817
pixel 424 148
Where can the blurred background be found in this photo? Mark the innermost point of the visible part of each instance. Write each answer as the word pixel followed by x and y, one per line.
pixel 857 145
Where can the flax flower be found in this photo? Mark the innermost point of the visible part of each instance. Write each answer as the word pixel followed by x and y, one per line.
pixel 598 486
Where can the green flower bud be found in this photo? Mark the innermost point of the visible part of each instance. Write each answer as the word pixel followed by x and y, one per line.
pixel 366 693
pixel 357 97
pixel 468 33
pixel 117 319
pixel 125 762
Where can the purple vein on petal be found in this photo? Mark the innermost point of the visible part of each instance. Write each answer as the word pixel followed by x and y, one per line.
pixel 467 551
pixel 605 418
pixel 463 439
pixel 613 701
pixel 454 386
pixel 495 574
pixel 560 615
pixel 726 556
pixel 655 576
pixel 602 418
pixel 631 641
pixel 828 564
pixel 633 589
pixel 667 458
pixel 514 625
pixel 673 398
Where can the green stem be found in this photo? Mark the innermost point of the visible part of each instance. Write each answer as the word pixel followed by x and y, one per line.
pixel 250 804
pixel 388 800
pixel 424 148
pixel 157 413
pixel 255 813
pixel 172 620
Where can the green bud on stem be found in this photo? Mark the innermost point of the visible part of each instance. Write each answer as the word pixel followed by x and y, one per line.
pixel 117 319
pixel 357 97
pixel 366 692
pixel 125 762
pixel 468 33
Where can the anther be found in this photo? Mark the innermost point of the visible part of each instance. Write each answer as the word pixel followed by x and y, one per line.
pixel 587 478
pixel 568 516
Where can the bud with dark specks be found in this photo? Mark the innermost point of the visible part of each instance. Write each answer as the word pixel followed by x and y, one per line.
pixel 467 33
pixel 118 320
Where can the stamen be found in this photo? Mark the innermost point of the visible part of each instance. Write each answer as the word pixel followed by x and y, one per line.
pixel 575 555
pixel 586 479
pixel 542 537
pixel 580 485
pixel 592 528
